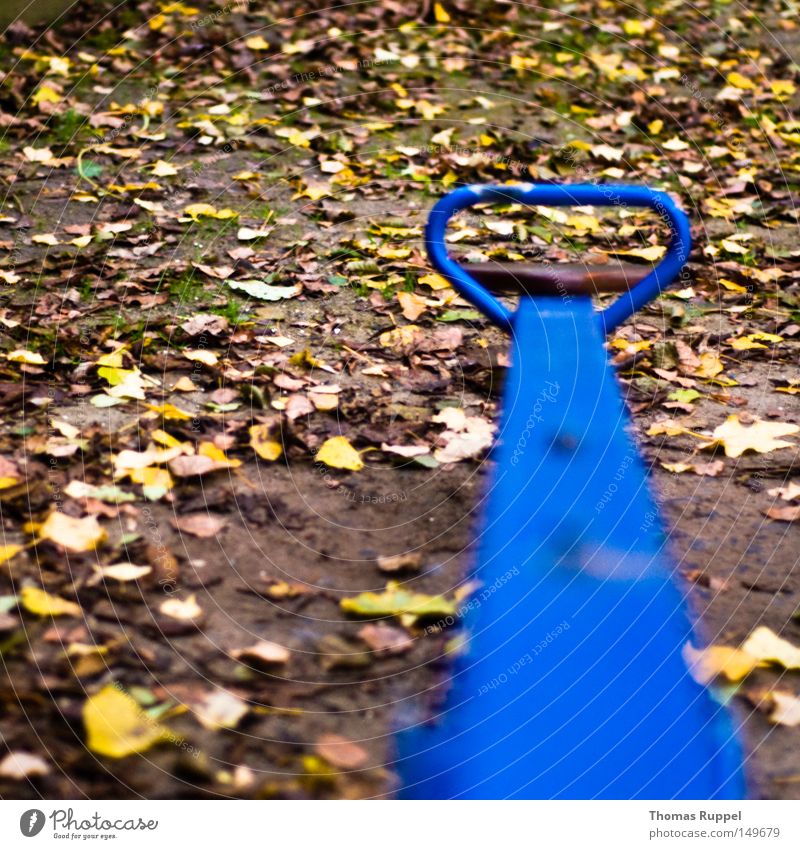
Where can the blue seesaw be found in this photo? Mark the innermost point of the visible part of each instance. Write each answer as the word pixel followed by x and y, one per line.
pixel 573 685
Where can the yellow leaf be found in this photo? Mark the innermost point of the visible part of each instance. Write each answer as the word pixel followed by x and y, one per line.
pixel 338 453
pixel 633 27
pixel 208 449
pixel 752 340
pixel 7 552
pixel 739 81
pixel 766 646
pixel 761 436
pixel 400 336
pixel 523 63
pixel 70 533
pixel 263 444
pixel 707 664
pixel 397 601
pixel 117 727
pixel 160 168
pixel 666 428
pixel 434 281
pixel 40 603
pixel 651 254
pixel 27 357
pixel 169 412
pixel 155 482
pixel 710 365
pixel 731 286
pixel 440 13
pixel 46 94
pixel 196 211
pixel 314 190
pixel 783 88
pixel 124 383
pixel 157 22
pixel 256 42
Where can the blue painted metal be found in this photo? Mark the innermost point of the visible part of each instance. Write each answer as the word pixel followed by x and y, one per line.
pixel 573 685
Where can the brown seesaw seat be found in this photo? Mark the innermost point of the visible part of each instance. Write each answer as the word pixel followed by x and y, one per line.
pixel 556 278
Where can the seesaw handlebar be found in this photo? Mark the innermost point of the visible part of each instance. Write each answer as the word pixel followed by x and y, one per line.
pixel 549 194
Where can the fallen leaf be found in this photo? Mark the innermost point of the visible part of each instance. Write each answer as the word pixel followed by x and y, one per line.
pixel 124 572
pixel 761 436
pixel 70 533
pixel 707 664
pixel 117 727
pixel 338 453
pixel 790 492
pixel 263 444
pixel 263 652
pixel 28 357
pixel 396 601
pixel 187 610
pixel 786 709
pixel 340 752
pixel 784 514
pixel 386 639
pixel 8 552
pixel 219 709
pixel 21 765
pixel 201 525
pixel 411 560
pixel 264 291
pixel 41 603
pixel 766 646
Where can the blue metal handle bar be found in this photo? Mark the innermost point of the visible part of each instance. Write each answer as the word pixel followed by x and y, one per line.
pixel 548 194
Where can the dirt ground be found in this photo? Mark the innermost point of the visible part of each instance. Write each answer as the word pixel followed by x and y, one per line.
pixel 325 137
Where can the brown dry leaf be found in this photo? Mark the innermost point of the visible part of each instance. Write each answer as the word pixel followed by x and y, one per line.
pixel 784 514
pixel 340 752
pixel 413 305
pixel 201 525
pixel 386 639
pixel 209 458
pixel 263 652
pixel 761 436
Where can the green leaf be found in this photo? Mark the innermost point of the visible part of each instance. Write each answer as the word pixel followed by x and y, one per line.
pixel 685 396
pixel 89 170
pixel 459 315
